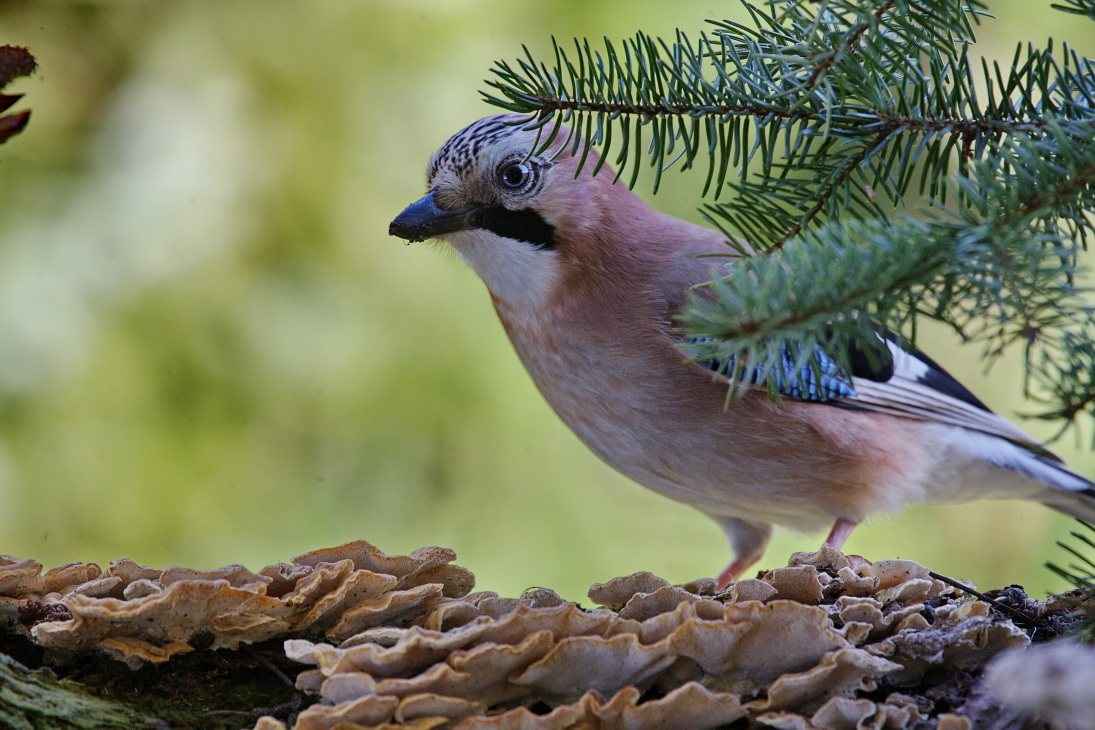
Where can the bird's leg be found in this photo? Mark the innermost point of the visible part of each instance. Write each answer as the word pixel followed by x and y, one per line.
pixel 840 533
pixel 736 567
pixel 747 540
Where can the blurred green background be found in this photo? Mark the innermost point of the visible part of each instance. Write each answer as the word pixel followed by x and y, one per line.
pixel 212 352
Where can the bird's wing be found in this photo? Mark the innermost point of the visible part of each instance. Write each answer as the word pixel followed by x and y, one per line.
pixel 909 384
pixel 920 388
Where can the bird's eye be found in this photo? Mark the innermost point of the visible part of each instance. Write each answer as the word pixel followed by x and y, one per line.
pixel 515 175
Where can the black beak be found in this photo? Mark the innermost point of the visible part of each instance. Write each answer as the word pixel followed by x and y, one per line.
pixel 425 219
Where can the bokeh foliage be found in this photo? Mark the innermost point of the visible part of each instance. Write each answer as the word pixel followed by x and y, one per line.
pixel 211 351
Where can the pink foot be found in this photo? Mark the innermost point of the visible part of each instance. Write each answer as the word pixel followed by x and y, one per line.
pixel 840 533
pixel 732 571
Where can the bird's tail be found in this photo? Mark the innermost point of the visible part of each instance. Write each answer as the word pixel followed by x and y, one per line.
pixel 1060 487
pixel 1079 503
pixel 1069 492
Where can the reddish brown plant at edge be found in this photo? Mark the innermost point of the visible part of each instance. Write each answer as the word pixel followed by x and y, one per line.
pixel 15 61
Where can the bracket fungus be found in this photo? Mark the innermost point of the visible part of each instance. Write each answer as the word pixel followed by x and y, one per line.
pixel 798 647
pixel 142 615
pixel 827 643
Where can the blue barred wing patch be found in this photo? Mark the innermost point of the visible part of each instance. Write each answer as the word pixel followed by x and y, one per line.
pixel 802 383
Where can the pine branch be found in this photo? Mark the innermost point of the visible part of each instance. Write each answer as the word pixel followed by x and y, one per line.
pixel 732 88
pixel 1079 7
pixel 1081 573
pixel 1001 272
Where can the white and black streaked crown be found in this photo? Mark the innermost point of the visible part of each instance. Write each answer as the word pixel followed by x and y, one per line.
pixel 461 153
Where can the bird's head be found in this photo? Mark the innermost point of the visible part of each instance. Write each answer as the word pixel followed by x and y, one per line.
pixel 515 213
pixel 485 177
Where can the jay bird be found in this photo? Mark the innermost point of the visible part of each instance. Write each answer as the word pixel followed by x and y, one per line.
pixel 586 279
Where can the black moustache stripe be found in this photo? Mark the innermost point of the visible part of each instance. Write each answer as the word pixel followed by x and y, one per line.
pixel 523 225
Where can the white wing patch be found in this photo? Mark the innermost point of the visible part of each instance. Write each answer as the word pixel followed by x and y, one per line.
pixel 905 365
pixel 914 392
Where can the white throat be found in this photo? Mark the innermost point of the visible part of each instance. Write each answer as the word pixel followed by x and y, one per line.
pixel 517 273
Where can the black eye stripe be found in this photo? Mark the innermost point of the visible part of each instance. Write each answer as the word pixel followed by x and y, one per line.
pixel 523 225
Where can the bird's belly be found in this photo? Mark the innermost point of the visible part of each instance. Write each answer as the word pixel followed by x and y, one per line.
pixel 687 451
